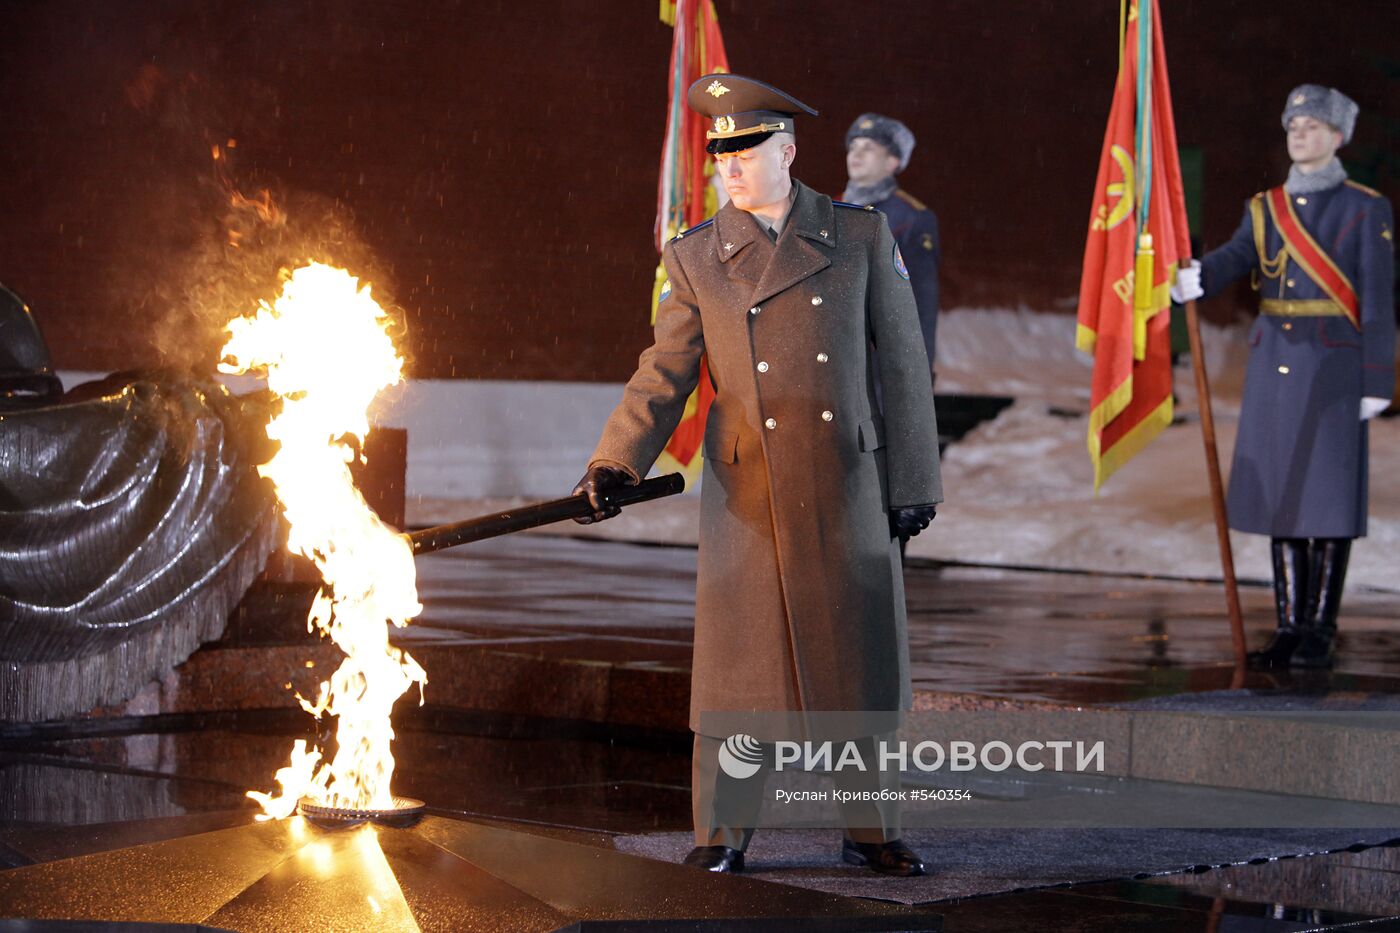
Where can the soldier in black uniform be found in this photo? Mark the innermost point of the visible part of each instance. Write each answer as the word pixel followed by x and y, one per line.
pixel 877 149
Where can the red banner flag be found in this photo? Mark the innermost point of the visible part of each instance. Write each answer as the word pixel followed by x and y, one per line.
pixel 685 194
pixel 1138 235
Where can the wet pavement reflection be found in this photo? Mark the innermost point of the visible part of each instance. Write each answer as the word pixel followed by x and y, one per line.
pixel 1019 635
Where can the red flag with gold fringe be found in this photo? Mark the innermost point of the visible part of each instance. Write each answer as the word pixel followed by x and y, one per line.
pixel 685 194
pixel 1138 236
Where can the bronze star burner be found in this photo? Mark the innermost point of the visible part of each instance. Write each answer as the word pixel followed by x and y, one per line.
pixel 404 813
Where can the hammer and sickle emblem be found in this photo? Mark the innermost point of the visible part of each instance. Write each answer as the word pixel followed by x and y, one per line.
pixel 724 124
pixel 1108 218
pixel 717 89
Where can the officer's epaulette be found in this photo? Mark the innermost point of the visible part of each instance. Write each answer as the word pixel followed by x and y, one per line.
pixel 854 207
pixel 912 201
pixel 686 233
pixel 1360 187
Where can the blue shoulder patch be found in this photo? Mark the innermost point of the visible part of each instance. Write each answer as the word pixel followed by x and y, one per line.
pixel 899 265
pixel 686 233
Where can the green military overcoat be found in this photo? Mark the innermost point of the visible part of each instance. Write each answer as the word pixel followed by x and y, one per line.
pixel 800 593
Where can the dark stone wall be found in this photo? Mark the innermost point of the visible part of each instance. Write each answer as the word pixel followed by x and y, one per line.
pixel 491 166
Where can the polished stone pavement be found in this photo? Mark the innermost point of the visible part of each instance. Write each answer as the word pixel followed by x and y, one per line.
pixel 67 798
pixel 566 604
pixel 437 874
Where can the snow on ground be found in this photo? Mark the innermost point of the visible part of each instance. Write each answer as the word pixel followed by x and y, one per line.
pixel 1031 355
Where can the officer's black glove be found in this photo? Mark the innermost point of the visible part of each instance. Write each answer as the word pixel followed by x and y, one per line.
pixel 905 523
pixel 594 483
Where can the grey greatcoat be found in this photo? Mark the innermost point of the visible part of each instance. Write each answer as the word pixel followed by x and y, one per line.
pixel 800 596
pixel 1300 457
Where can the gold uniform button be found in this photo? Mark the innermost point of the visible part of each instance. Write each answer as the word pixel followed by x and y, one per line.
pixel 822 357
pixel 762 366
pixel 817 300
pixel 1291 283
pixel 771 423
pixel 827 416
pixel 1302 200
pixel 1284 370
pixel 1287 325
pixel 755 310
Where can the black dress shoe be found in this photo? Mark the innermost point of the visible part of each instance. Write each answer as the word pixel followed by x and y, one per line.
pixel 888 858
pixel 715 858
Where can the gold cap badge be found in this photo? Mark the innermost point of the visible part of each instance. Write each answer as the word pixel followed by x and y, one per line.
pixel 717 89
pixel 724 124
pixel 866 124
pixel 1299 99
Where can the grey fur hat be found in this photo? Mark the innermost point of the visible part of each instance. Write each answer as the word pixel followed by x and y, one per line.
pixel 1327 104
pixel 886 131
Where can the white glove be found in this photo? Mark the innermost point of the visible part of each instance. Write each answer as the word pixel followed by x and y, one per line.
pixel 1372 406
pixel 1188 283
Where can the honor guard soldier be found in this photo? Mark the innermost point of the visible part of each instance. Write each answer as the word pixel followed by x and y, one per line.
pixel 1319 249
pixel 807 487
pixel 877 149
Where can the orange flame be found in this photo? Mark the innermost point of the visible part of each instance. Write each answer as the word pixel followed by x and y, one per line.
pixel 324 346
pixel 268 212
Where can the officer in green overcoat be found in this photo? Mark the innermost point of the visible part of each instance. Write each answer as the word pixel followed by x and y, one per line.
pixel 807 487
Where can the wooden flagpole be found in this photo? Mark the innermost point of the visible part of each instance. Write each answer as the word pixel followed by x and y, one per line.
pixel 1217 492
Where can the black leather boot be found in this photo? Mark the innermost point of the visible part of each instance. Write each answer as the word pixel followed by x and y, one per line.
pixel 1329 573
pixel 1291 574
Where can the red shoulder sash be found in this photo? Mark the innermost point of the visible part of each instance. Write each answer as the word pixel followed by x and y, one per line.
pixel 1305 251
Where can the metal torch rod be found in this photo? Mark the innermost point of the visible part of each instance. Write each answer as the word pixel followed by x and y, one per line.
pixel 540 513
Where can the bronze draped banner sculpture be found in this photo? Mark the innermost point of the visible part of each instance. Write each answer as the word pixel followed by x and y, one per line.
pixel 132 520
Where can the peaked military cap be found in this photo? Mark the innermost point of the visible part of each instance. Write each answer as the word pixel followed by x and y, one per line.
pixel 888 132
pixel 744 112
pixel 1327 104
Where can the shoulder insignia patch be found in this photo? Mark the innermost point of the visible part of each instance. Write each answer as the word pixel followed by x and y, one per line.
pixel 699 226
pixel 899 265
pixel 665 292
pixel 1360 187
pixel 910 200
